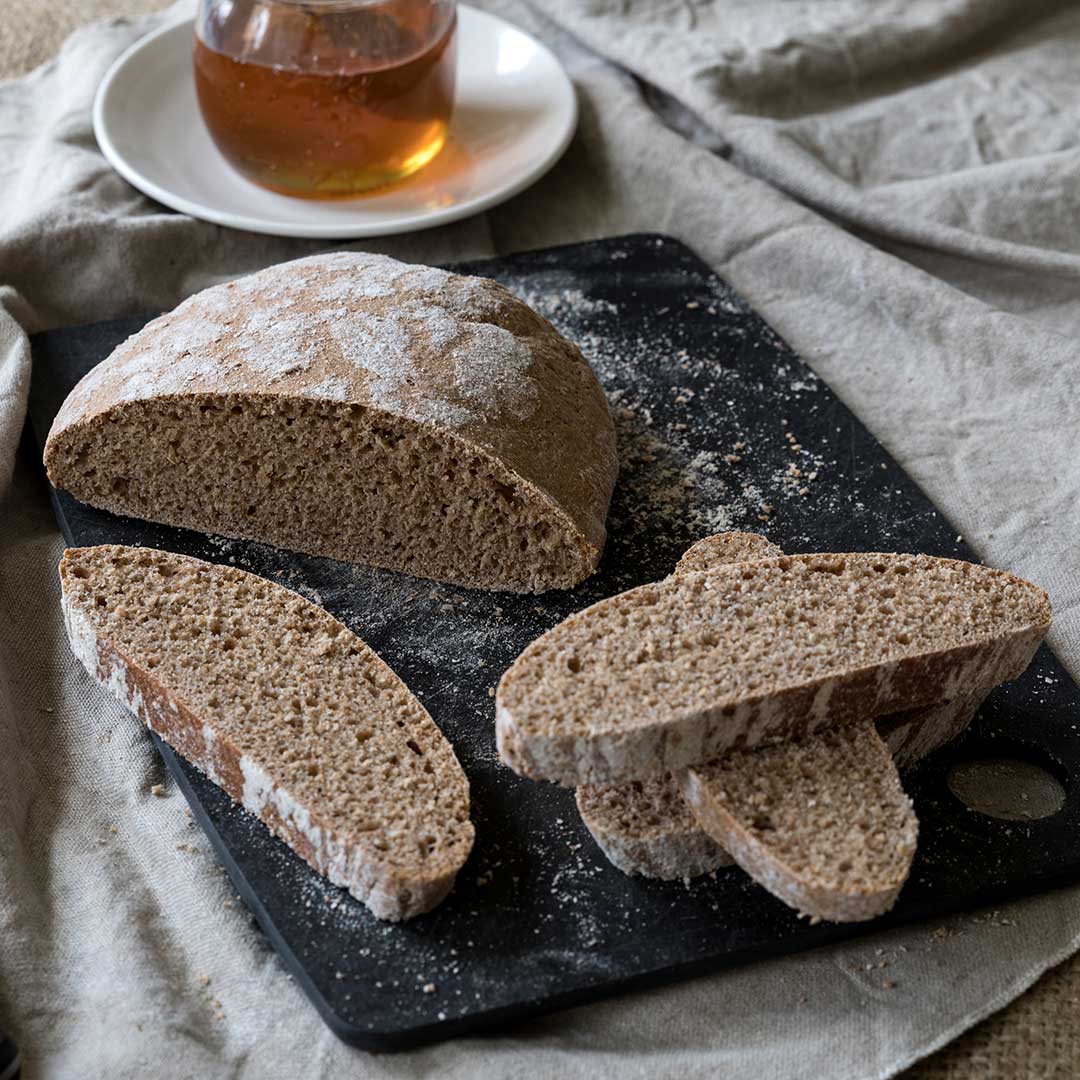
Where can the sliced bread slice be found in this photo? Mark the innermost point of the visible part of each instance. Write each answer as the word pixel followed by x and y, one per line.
pixel 358 407
pixel 914 734
pixel 682 671
pixel 646 827
pixel 722 549
pixel 284 708
pixel 823 824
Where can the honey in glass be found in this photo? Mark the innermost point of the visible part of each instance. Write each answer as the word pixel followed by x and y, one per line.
pixel 326 98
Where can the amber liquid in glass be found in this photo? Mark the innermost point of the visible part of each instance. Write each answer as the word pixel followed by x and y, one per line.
pixel 355 124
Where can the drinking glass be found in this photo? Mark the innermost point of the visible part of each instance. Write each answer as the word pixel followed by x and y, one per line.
pixel 326 98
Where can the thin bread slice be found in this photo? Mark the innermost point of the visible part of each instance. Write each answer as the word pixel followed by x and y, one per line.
pixel 284 708
pixel 682 671
pixel 823 824
pixel 646 827
pixel 353 406
pixel 722 549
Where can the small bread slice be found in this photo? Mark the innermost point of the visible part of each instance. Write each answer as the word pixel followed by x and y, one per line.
pixel 353 406
pixel 646 827
pixel 723 549
pixel 284 708
pixel 823 824
pixel 683 671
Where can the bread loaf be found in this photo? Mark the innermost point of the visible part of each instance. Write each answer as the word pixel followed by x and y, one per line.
pixel 284 708
pixel 682 671
pixel 357 407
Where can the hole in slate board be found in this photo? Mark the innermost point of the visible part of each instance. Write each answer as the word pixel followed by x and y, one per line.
pixel 1006 788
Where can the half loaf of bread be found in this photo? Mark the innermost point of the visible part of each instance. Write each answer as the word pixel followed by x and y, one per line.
pixel 682 671
pixel 284 708
pixel 357 407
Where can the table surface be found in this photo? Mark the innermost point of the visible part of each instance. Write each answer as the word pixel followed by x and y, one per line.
pixel 1033 1036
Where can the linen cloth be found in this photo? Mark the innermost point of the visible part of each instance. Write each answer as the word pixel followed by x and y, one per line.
pixel 892 184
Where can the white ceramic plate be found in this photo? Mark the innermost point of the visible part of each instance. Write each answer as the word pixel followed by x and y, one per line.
pixel 515 112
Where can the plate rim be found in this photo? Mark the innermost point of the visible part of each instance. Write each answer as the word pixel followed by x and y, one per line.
pixel 325 230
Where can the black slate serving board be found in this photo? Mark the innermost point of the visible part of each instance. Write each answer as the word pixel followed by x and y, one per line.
pixel 715 415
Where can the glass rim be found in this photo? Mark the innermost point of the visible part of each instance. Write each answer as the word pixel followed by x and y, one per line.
pixel 348 5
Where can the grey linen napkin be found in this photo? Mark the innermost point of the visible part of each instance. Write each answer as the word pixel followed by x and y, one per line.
pixel 892 183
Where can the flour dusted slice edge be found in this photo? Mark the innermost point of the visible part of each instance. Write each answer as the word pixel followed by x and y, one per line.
pixel 357 407
pixel 685 670
pixel 285 709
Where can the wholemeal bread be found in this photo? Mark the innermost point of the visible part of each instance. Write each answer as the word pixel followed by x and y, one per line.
pixel 823 824
pixel 914 734
pixel 283 707
pixel 682 671
pixel 357 407
pixel 646 826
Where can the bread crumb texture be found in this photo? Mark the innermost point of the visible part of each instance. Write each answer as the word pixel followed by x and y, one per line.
pixel 822 823
pixel 354 406
pixel 679 672
pixel 722 549
pixel 283 707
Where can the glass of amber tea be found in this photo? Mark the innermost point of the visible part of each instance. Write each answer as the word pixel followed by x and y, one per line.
pixel 326 98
